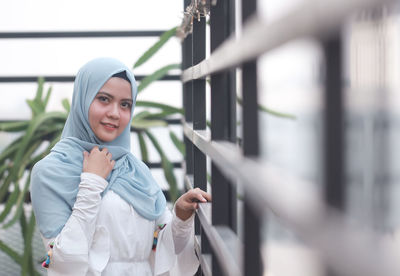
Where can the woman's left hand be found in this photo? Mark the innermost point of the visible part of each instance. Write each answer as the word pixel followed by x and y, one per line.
pixel 189 202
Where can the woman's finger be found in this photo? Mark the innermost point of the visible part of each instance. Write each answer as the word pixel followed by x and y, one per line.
pixel 206 195
pixel 85 155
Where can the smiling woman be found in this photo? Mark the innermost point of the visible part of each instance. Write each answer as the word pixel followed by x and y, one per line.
pixel 92 197
pixel 110 111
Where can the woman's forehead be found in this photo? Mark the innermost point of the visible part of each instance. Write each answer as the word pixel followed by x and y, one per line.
pixel 117 87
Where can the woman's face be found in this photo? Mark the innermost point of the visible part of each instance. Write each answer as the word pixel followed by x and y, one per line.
pixel 110 111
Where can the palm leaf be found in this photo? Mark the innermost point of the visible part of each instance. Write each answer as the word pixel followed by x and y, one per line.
pixel 66 105
pixel 167 166
pixel 270 111
pixel 46 99
pixel 10 252
pixel 28 231
pixel 178 143
pixel 143 148
pixel 10 203
pixel 144 124
pixel 13 126
pixel 154 49
pixel 156 76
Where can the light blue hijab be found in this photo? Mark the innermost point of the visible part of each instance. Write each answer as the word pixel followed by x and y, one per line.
pixel 55 179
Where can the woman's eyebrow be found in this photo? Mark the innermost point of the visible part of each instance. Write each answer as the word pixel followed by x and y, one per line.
pixel 129 100
pixel 105 93
pixel 112 97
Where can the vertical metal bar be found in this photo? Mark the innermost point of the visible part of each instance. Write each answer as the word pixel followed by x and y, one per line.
pixel 333 126
pixel 187 100
pixel 199 116
pixel 224 193
pixel 252 241
pixel 199 85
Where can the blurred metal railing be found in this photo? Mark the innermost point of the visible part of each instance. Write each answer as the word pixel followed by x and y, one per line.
pixel 318 220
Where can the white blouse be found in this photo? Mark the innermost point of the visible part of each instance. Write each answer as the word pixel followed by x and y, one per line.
pixel 106 236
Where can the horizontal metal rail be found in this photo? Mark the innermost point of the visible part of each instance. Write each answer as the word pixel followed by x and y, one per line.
pixel 223 240
pixel 17 79
pixel 314 18
pixel 205 259
pixel 79 34
pixel 348 250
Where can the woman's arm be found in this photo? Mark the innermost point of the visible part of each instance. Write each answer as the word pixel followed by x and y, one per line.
pixel 70 252
pixel 71 246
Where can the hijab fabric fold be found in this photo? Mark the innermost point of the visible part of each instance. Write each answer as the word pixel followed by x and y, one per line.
pixel 55 179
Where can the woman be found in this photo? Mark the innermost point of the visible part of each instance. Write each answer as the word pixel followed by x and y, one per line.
pixel 98 208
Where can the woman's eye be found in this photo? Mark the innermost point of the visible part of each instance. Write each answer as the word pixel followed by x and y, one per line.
pixel 126 105
pixel 102 98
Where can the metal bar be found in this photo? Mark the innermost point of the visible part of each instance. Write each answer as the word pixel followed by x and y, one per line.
pixel 333 128
pixel 18 79
pixel 78 34
pixel 205 259
pixel 224 194
pixel 297 203
pixel 220 237
pixel 310 18
pixel 187 96
pixel 158 165
pixel 199 119
pixel 333 146
pixel 252 224
pixel 199 86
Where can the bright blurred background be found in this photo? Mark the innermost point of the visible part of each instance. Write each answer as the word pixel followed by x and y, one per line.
pixel 290 82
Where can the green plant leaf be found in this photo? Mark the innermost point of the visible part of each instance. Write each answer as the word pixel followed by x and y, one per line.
pixel 157 46
pixel 35 107
pixel 46 99
pixel 66 105
pixel 10 203
pixel 164 107
pixel 156 76
pixel 178 143
pixel 27 263
pixel 39 91
pixel 21 197
pixel 13 126
pixel 10 252
pixel 144 124
pixel 167 166
pixel 141 115
pixel 270 111
pixel 17 169
pixel 10 149
pixel 143 147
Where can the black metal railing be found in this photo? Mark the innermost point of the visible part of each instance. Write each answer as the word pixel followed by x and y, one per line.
pixel 316 219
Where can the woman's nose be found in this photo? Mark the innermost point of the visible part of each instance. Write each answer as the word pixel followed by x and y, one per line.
pixel 113 112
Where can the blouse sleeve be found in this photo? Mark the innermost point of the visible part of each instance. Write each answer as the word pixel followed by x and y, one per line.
pixel 70 252
pixel 175 253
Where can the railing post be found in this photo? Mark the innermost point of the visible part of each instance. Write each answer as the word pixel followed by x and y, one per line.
pixel 333 146
pixel 252 241
pixel 199 117
pixel 223 103
pixel 187 97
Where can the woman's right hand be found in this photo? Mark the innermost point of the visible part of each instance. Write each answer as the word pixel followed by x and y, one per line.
pixel 98 162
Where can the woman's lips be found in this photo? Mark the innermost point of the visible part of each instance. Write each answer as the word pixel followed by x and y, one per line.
pixel 109 126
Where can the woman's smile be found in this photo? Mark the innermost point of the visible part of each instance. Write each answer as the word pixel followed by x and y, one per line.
pixel 110 111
